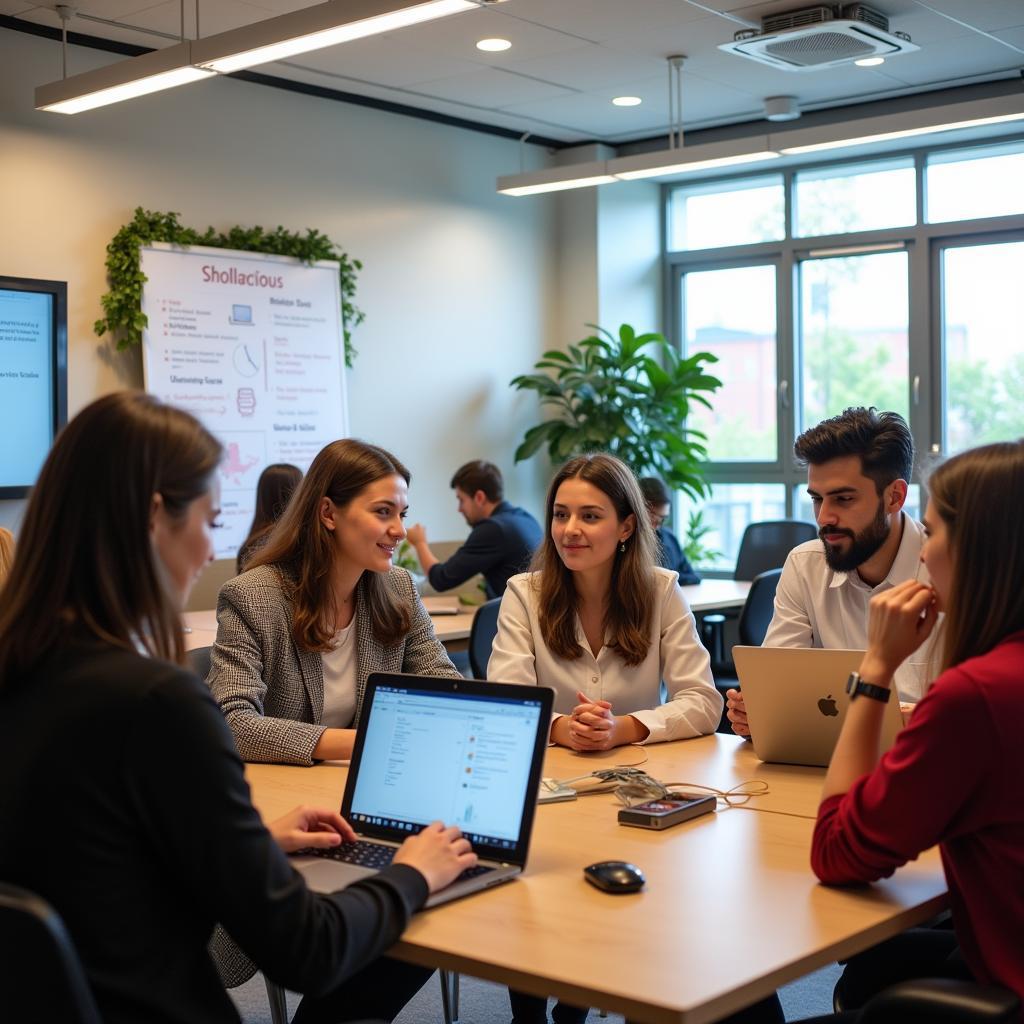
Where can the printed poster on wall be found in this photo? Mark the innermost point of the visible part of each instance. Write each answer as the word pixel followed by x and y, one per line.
pixel 252 345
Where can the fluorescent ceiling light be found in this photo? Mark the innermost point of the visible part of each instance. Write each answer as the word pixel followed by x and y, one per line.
pixel 124 80
pixel 683 161
pixel 556 186
pixel 903 133
pixel 326 24
pixel 555 179
pixel 627 101
pixel 494 45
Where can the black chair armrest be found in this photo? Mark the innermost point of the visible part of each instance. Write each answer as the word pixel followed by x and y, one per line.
pixel 940 1001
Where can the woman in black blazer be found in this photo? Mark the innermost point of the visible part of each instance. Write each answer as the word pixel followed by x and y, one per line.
pixel 122 797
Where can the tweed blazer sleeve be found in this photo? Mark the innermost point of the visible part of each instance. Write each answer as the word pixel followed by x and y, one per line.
pixel 270 692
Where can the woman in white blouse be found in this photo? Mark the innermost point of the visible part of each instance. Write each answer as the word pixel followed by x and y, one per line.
pixel 598 621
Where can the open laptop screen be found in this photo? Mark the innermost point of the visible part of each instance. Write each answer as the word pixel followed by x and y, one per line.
pixel 467 759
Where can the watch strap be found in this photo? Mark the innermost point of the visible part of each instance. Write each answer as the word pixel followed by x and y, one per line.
pixel 856 687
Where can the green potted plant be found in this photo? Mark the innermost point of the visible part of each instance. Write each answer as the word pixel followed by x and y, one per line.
pixel 629 395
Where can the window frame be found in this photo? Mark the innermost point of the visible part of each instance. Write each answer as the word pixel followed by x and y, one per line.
pixel 923 242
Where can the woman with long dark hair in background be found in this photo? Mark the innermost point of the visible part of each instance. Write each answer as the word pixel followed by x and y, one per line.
pixel 275 486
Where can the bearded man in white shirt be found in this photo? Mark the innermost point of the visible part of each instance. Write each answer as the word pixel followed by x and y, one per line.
pixel 859 466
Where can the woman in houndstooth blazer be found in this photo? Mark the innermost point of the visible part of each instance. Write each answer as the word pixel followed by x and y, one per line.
pixel 320 608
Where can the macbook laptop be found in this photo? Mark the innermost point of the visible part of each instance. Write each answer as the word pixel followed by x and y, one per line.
pixel 463 752
pixel 796 701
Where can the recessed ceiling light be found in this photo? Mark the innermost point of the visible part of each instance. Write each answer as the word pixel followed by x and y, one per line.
pixel 627 101
pixel 494 45
pixel 869 62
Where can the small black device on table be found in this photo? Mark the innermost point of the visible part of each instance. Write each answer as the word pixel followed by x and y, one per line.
pixel 659 814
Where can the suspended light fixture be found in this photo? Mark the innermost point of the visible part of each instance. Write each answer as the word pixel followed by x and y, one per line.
pixel 151 72
pixel 325 24
pixel 887 128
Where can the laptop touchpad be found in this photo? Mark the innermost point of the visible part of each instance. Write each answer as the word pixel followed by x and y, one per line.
pixel 325 876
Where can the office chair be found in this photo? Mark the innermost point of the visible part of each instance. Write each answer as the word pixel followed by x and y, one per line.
pixel 755 617
pixel 481 636
pixel 40 974
pixel 938 1001
pixel 199 661
pixel 764 546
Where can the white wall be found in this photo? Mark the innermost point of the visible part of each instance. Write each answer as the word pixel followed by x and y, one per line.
pixel 457 280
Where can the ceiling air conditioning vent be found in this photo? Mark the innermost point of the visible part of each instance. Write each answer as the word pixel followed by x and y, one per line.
pixel 815 38
pixel 796 19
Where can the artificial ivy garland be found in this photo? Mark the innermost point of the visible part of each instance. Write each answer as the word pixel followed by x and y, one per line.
pixel 123 303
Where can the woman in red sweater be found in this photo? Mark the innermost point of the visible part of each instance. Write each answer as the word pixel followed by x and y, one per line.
pixel 953 777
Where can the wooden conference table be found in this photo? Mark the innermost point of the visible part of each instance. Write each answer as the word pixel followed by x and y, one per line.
pixel 730 911
pixel 453 630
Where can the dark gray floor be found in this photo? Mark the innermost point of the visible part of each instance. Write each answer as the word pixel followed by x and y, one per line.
pixel 484 1003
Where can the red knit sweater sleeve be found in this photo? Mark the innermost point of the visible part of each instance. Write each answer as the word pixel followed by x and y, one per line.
pixel 920 793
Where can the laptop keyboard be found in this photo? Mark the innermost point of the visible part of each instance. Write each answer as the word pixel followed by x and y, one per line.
pixel 377 856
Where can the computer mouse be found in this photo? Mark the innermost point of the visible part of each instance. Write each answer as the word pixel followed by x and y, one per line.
pixel 615 876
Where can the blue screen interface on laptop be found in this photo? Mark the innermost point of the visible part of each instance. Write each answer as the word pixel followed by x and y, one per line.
pixel 464 760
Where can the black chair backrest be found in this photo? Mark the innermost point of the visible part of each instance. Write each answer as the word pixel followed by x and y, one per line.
pixel 41 977
pixel 199 661
pixel 758 608
pixel 765 545
pixel 481 637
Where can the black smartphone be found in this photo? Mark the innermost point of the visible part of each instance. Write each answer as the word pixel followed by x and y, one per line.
pixel 665 813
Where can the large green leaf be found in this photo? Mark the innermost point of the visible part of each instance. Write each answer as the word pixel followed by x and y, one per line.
pixel 629 394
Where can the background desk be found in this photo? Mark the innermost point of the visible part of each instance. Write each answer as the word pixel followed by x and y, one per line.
pixel 452 629
pixel 730 912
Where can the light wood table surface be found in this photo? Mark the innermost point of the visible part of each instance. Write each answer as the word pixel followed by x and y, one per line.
pixel 730 911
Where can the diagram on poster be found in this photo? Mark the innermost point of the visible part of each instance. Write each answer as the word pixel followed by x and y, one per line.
pixel 253 346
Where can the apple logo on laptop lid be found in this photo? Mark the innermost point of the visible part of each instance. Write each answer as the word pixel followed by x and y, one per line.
pixel 827 706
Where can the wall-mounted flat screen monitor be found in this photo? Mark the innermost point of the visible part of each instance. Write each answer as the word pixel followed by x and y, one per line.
pixel 33 377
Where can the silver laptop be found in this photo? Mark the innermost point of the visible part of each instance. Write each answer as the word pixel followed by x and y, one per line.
pixel 460 751
pixel 796 701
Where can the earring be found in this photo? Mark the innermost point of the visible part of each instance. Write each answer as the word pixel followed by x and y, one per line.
pixel 622 547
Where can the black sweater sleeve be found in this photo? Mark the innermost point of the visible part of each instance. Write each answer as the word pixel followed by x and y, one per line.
pixel 187 784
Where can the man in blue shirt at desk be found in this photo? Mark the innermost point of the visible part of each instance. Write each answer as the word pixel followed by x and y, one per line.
pixel 658 508
pixel 502 540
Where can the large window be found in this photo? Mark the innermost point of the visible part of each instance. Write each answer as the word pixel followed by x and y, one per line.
pixel 731 314
pixel 983 343
pixel 853 334
pixel 735 213
pixel 896 282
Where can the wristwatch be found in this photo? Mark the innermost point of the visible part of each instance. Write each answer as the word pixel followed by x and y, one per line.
pixel 856 687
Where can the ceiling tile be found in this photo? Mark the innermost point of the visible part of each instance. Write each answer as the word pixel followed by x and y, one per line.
pixel 591 67
pixel 984 14
pixel 379 60
pixel 1014 36
pixel 601 20
pixel 213 18
pixel 490 87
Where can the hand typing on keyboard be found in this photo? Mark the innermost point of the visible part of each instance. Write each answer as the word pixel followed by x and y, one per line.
pixel 314 827
pixel 439 854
